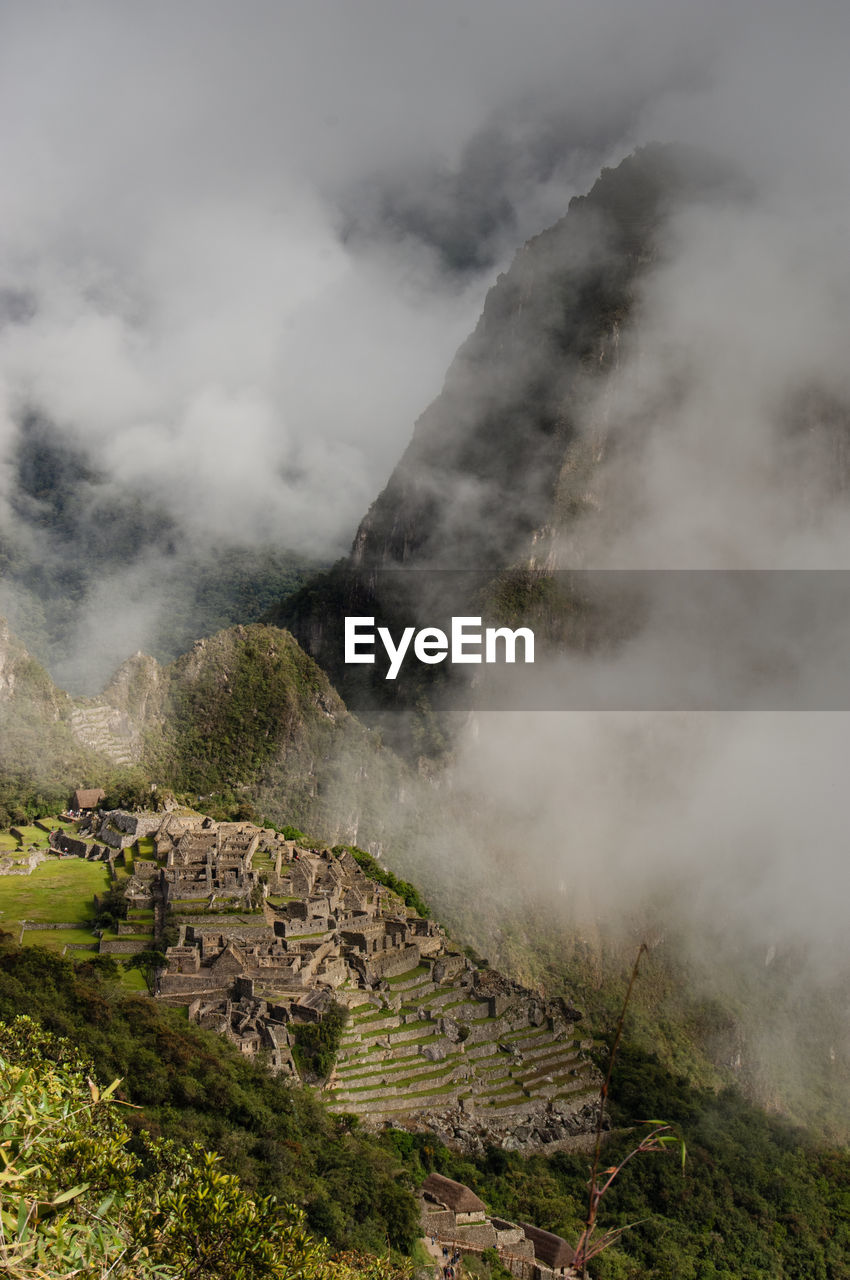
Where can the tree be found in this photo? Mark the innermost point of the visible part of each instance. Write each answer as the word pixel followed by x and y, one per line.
pixel 149 963
pixel 76 1201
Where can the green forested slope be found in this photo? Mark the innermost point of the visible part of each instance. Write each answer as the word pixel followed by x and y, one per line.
pixel 759 1199
pixel 193 1086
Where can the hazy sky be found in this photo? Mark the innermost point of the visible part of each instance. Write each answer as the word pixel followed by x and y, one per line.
pixel 240 243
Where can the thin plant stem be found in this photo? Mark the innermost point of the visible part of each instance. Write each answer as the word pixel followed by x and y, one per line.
pixel 593 1196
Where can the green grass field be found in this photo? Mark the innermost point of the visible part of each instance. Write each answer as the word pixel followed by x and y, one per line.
pixel 145 935
pixel 57 939
pixel 33 835
pixel 132 980
pixel 57 891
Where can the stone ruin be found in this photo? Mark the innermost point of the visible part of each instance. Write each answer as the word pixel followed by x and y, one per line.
pixel 271 932
pixel 268 930
pixel 455 1218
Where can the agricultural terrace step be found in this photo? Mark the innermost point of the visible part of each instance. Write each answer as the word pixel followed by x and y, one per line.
pixel 409 1032
pixel 394 1073
pixel 492 1069
pixel 373 1022
pixel 543 1050
pixel 528 1038
pixel 562 1086
pixel 365 1012
pixel 532 1033
pixel 485 1049
pixel 548 1061
pixel 439 998
pixel 380 1066
pixel 423 984
pixel 401 981
pixel 409 1050
pixel 563 1065
pixel 466 1010
pixel 502 1097
pixel 502 1084
pixel 393 1088
pixel 413 1102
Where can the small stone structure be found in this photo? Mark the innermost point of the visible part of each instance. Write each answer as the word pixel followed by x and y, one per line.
pixel 452 1214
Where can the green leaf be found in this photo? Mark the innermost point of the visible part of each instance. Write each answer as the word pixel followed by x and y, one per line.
pixel 70 1195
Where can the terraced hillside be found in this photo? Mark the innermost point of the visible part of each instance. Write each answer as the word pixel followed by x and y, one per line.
pixel 472 1057
pixel 101 728
pixel 270 937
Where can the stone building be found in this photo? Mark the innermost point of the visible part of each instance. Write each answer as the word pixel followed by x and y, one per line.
pixel 85 799
pixel 552 1251
pixel 452 1214
pixel 287 937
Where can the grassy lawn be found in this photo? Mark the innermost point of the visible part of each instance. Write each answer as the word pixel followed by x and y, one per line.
pixel 145 847
pixel 33 835
pixel 8 842
pixel 131 979
pixel 56 939
pixel 418 972
pixel 57 891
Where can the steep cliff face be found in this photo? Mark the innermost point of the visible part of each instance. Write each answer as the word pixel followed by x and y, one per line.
pixel 544 447
pixel 507 454
pixel 484 467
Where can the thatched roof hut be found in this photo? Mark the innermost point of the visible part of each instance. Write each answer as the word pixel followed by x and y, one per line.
pixel 454 1195
pixel 87 799
pixel 549 1248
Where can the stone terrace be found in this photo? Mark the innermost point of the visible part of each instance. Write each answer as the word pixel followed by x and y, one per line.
pixel 270 933
pixel 441 1056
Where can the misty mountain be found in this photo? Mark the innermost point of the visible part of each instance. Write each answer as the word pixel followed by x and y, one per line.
pixel 570 431
pixel 649 386
pixel 92 568
pixel 503 461
pixel 245 722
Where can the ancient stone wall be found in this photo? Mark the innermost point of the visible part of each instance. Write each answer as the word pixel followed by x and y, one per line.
pixel 124 946
pixel 480 1234
pixel 386 964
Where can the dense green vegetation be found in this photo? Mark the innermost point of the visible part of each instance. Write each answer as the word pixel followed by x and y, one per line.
pixel 231 711
pixel 317 1043
pixel 80 1197
pixel 758 1200
pixel 254 728
pixel 193 1086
